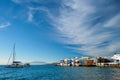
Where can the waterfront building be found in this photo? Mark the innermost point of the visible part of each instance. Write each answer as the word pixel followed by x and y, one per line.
pixel 116 58
pixel 88 61
pixel 76 61
pixel 102 61
pixel 81 61
pixel 72 61
pixel 65 62
pixel 91 62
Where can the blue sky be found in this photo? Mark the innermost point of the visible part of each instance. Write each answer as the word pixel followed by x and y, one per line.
pixel 49 30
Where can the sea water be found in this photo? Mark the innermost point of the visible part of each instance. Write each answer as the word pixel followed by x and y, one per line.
pixel 51 72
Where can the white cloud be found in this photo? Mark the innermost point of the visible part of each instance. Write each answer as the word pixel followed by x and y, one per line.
pixel 17 1
pixel 75 24
pixel 33 10
pixel 4 25
pixel 113 22
pixel 82 22
pixel 30 15
pixel 25 1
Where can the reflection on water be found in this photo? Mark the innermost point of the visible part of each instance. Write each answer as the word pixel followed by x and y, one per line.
pixel 50 72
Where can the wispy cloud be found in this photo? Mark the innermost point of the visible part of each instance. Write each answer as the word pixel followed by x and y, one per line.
pixel 83 23
pixel 24 1
pixel 114 21
pixel 30 15
pixel 93 26
pixel 33 10
pixel 16 1
pixel 37 10
pixel 4 25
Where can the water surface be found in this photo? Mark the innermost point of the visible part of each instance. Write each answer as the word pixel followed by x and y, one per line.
pixel 51 72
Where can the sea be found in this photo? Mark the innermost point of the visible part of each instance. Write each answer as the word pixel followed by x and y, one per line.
pixel 51 72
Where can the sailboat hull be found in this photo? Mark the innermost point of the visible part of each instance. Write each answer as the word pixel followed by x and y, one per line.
pixel 11 66
pixel 16 64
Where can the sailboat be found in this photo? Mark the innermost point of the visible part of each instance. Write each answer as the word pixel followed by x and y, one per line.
pixel 14 63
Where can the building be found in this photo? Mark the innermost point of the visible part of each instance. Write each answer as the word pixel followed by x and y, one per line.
pixel 113 61
pixel 116 58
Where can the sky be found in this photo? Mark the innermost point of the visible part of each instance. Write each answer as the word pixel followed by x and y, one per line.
pixel 50 30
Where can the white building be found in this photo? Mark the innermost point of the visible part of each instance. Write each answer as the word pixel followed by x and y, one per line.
pixel 116 58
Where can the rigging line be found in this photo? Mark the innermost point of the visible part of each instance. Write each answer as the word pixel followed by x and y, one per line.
pixel 9 58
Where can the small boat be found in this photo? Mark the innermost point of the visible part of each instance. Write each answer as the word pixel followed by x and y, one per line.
pixel 27 64
pixel 14 63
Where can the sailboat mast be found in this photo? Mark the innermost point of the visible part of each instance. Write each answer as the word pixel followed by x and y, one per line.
pixel 14 53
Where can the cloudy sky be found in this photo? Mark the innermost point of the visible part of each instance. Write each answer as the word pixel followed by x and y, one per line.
pixel 49 30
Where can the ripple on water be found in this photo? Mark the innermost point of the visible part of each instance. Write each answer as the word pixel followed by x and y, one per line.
pixel 50 72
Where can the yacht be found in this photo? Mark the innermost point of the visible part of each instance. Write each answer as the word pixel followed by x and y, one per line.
pixel 14 63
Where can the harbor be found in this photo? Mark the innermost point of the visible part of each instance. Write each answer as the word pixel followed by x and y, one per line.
pixel 113 61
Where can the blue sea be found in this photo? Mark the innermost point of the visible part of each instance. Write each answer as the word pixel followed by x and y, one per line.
pixel 51 72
